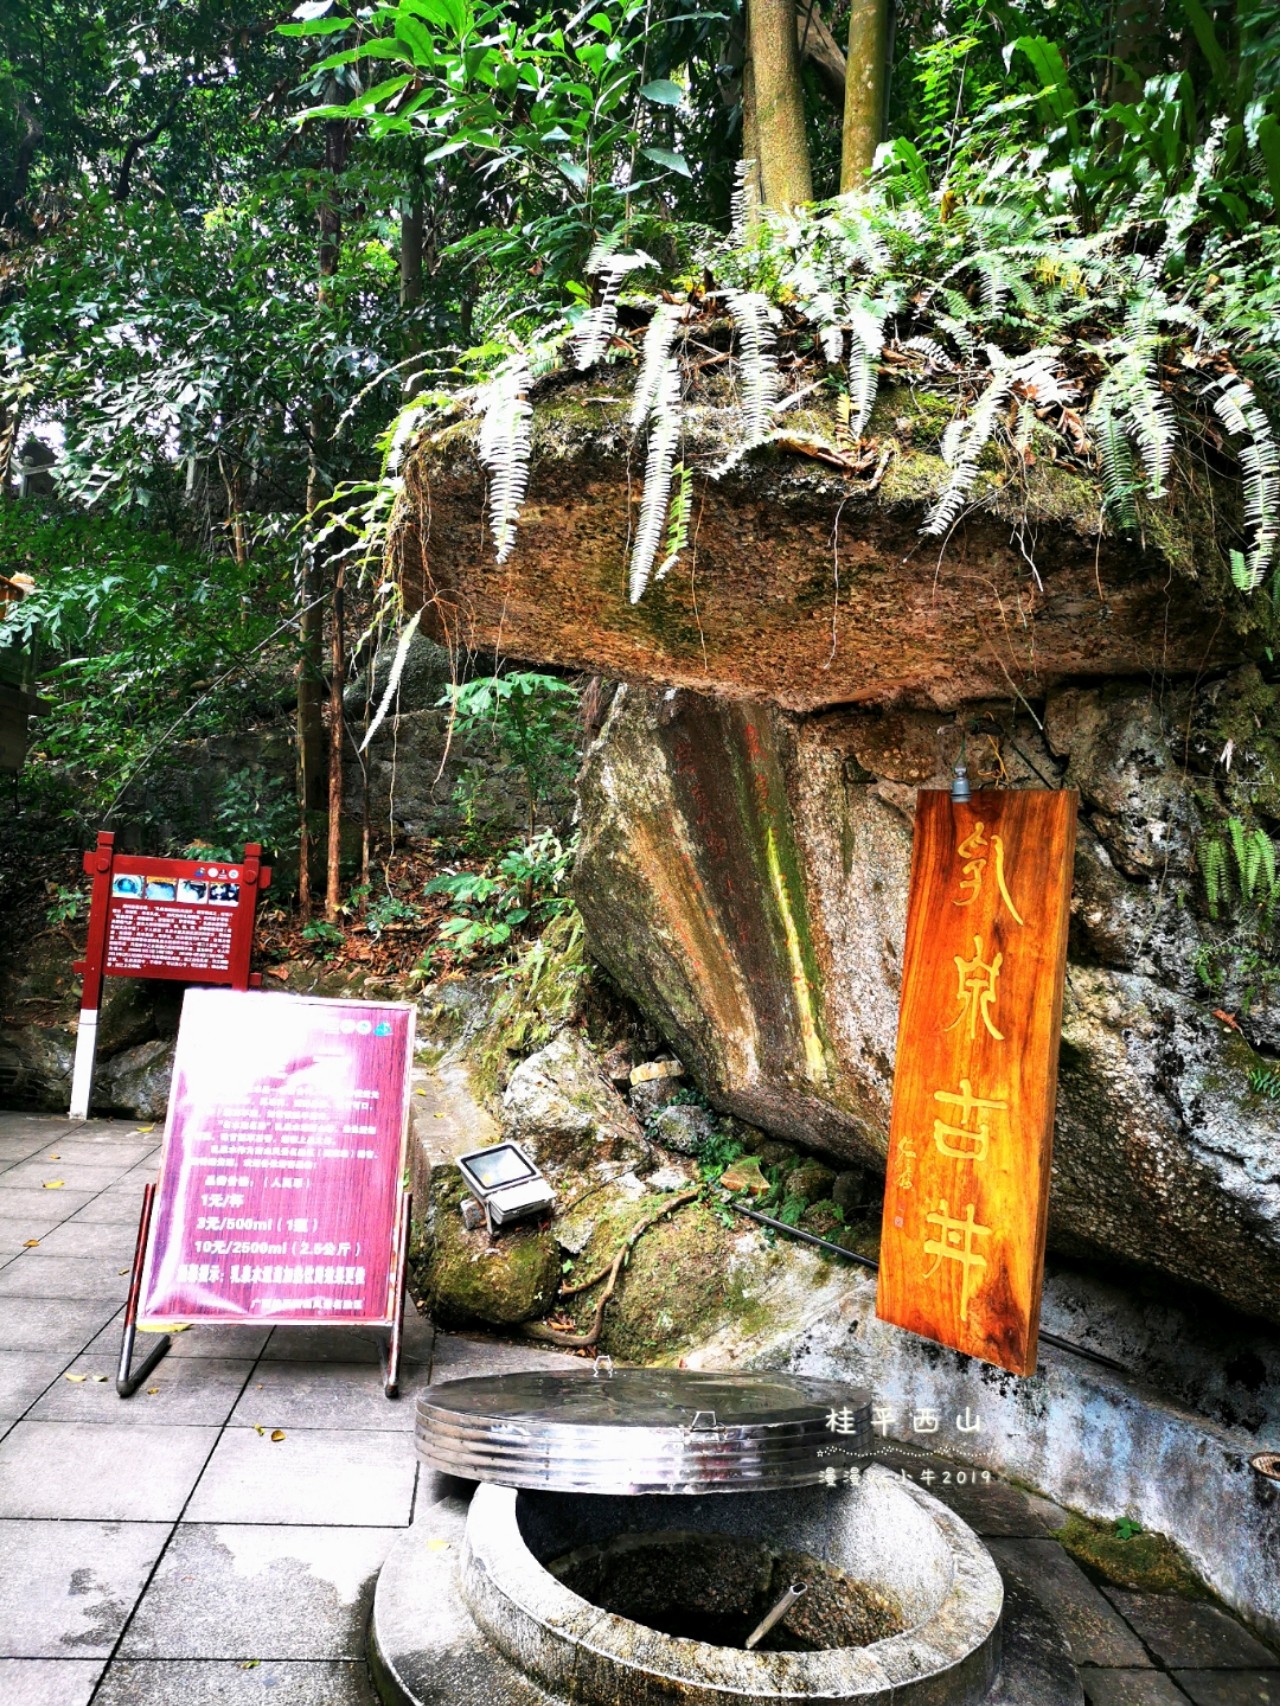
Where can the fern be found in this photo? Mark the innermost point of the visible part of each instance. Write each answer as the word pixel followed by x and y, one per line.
pixel 744 201
pixel 659 339
pixel 1212 859
pixel 664 435
pixel 504 449
pixel 595 330
pixel 678 524
pixel 963 443
pixel 1236 406
pixel 752 315
pixel 867 324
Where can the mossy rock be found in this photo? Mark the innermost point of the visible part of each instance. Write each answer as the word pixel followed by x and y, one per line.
pixel 811 1182
pixel 679 1289
pixel 466 1279
pixel 1148 1563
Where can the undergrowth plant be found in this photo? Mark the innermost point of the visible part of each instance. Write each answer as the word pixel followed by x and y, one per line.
pixel 1118 350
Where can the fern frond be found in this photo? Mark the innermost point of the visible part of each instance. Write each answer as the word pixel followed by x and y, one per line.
pixel 664 435
pixel 932 351
pixel 678 523
pixel 867 325
pixel 595 330
pixel 964 441
pixel 759 367
pixel 1212 859
pixel 744 201
pixel 1236 405
pixel 504 449
pixel 659 338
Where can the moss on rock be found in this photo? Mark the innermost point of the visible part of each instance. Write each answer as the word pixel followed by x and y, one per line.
pixel 1146 1562
pixel 467 1279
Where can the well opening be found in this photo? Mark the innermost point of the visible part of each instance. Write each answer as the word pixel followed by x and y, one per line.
pixel 718 1588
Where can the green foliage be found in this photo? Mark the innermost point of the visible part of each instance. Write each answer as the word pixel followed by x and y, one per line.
pixel 1240 868
pixel 514 895
pixel 531 719
pixel 1265 1081
pixel 718 1153
pixel 139 642
pixel 67 905
pixel 325 938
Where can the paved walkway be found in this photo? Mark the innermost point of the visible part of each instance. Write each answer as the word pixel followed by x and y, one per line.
pixel 170 1549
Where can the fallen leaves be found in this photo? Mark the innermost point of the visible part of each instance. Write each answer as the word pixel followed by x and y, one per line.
pixel 31 1244
pixel 277 1434
pixel 437 1545
pixel 51 1184
pixel 76 1379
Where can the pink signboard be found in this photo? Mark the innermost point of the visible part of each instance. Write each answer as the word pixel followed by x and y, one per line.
pixel 280 1180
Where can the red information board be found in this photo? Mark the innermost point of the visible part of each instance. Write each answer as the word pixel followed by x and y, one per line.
pixel 279 1196
pixel 189 919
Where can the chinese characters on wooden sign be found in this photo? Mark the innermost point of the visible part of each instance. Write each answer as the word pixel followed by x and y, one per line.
pixel 966 1196
pixel 190 919
pixel 280 1175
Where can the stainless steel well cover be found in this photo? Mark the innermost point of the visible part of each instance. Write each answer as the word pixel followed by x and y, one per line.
pixel 642 1430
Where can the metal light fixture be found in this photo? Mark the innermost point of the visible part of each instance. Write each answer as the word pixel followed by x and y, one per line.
pixel 505 1183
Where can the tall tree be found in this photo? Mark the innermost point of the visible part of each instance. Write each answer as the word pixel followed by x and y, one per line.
pixel 865 89
pixel 774 61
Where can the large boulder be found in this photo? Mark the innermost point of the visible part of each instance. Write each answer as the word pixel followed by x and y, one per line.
pixel 803 585
pixel 743 877
pixel 560 1106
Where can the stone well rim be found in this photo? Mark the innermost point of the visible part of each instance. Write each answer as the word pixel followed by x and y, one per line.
pixel 535 1620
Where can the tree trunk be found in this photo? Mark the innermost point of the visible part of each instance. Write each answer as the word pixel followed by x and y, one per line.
pixel 337 732
pixel 866 83
pixel 310 729
pixel 412 223
pixel 779 103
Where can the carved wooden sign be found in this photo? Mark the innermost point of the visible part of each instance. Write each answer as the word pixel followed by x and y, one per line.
pixel 971 1134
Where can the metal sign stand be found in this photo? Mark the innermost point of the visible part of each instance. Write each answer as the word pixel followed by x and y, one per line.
pixel 128 1379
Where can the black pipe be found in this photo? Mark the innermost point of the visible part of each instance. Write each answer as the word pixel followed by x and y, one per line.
pixel 867 1262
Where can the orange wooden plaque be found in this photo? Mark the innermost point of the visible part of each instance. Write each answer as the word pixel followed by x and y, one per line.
pixel 967 1193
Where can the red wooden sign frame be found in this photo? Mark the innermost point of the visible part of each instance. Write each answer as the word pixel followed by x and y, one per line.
pixel 186 919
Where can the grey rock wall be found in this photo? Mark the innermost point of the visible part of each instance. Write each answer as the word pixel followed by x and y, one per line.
pixel 743 877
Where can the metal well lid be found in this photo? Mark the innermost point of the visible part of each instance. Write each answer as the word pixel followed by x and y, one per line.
pixel 641 1430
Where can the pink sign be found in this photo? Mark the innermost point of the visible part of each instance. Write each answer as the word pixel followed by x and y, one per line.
pixel 283 1154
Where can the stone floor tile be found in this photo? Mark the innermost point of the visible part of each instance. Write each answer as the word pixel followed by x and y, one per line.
pixel 118 1206
pixel 1130 1688
pixel 234 1342
pixel 165 1682
pixel 120 1154
pixel 67 1588
pixel 1230 1687
pixel 48 1682
pixel 349 1478
pixel 1188 1636
pixel 327 1395
pixel 36 1274
pixel 14 1149
pixel 15 1234
pixel 243 1591
pixel 992 1507
pixel 457 1357
pixel 24 1376
pixel 130 1473
pixel 46 1324
pixel 1095 1632
pixel 75 1175
pixel 351 1344
pixel 184 1391
pixel 41 1208
pixel 85 1239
